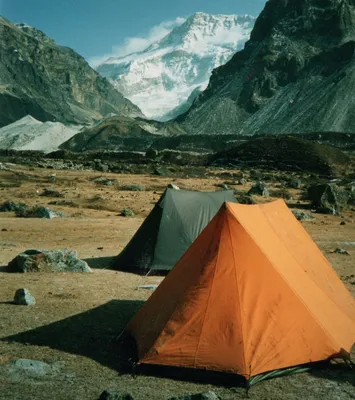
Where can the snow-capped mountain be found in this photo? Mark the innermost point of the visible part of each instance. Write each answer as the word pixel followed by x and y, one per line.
pixel 162 77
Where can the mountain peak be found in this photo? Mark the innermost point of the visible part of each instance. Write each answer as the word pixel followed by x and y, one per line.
pixel 162 77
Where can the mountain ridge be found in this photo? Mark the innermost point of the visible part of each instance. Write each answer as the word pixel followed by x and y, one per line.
pixel 51 82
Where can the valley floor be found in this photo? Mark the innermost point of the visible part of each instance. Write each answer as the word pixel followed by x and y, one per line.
pixel 77 316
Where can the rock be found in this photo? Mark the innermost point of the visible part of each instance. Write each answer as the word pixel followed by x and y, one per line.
pixel 51 193
pixel 115 394
pixel 242 181
pixel 172 186
pixel 161 171
pixel 338 250
pixel 11 206
pixel 244 198
pixel 133 188
pixel 199 396
pixel 151 153
pixel 223 186
pixel 303 216
pixel 342 223
pixel 127 212
pixel 259 189
pixel 294 184
pixel 104 181
pixel 24 297
pixel 69 203
pixel 34 370
pixel 34 260
pixel 327 198
pixel 39 212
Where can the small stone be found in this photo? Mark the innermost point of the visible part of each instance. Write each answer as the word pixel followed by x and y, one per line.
pixel 223 186
pixel 132 188
pixel 342 223
pixel 115 394
pixel 199 396
pixel 338 250
pixel 24 297
pixel 172 186
pixel 127 212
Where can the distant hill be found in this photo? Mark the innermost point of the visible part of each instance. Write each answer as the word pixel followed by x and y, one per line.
pixel 51 82
pixel 285 152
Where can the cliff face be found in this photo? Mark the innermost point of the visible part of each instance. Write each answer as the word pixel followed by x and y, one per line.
pixel 51 82
pixel 295 74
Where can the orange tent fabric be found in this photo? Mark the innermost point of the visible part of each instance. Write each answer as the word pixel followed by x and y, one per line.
pixel 252 294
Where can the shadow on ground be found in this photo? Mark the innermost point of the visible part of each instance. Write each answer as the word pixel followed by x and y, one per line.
pixel 94 334
pixel 91 334
pixel 100 262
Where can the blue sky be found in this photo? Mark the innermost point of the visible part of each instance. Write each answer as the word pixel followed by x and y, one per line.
pixel 95 28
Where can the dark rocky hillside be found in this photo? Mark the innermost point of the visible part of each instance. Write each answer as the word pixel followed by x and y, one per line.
pixel 286 153
pixel 296 74
pixel 51 82
pixel 120 133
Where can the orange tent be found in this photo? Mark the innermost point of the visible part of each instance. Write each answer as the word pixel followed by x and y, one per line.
pixel 252 294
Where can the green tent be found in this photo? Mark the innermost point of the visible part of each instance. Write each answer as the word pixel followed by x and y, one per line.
pixel 174 223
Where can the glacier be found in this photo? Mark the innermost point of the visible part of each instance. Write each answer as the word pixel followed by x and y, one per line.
pixel 162 77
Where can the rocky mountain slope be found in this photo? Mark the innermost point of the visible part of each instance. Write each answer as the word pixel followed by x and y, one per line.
pixel 51 82
pixel 295 74
pixel 121 133
pixel 162 77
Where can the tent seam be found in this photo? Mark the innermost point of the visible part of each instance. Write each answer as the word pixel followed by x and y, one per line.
pixel 238 292
pixel 286 281
pixel 207 305
pixel 173 312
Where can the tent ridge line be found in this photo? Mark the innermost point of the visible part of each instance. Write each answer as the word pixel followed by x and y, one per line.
pixel 288 283
pixel 237 286
pixel 208 301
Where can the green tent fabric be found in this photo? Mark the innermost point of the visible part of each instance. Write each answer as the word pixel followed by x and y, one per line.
pixel 174 223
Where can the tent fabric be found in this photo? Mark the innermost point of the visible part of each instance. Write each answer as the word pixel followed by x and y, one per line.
pixel 253 294
pixel 174 223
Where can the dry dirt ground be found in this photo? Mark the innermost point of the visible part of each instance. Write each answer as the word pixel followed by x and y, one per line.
pixel 77 316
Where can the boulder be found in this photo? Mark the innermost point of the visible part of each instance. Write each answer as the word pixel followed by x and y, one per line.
pixel 34 260
pixel 294 184
pixel 9 206
pixel 303 216
pixel 115 394
pixel 199 396
pixel 38 212
pixel 24 297
pixel 51 193
pixel 161 171
pixel 327 198
pixel 260 189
